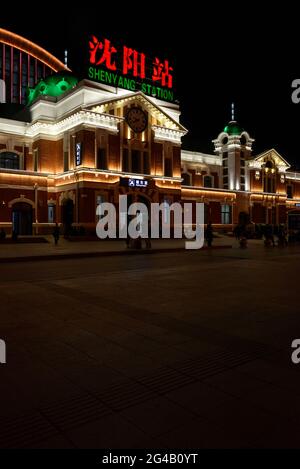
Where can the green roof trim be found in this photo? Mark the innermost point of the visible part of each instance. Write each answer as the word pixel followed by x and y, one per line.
pixel 233 128
pixel 53 85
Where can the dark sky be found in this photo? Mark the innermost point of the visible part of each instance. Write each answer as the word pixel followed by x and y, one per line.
pixel 239 53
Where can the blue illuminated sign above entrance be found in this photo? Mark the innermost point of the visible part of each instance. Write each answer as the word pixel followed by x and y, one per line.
pixel 137 183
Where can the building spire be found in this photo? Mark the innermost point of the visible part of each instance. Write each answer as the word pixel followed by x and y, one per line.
pixel 232 111
pixel 66 58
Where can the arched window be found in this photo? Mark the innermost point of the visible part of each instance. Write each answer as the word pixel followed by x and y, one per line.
pixel 208 181
pixel 186 179
pixel 9 160
pixel 269 164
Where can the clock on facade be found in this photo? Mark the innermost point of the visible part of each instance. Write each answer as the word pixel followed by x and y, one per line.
pixel 136 118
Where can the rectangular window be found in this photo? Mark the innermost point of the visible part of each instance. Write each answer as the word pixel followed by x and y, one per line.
pixel 242 171
pixel 101 159
pixel 35 160
pixel 126 168
pixel 269 185
pixel 225 163
pixel 225 214
pixel 146 166
pixel 136 161
pixel 242 163
pixel 66 161
pixel 51 213
pixel 168 167
pixel 225 172
pixel 289 191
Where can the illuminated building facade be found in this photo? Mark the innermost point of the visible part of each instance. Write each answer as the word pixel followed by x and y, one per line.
pixel 82 148
pixel 237 186
pixel 119 132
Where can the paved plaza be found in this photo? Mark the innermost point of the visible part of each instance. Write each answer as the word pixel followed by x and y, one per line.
pixel 186 349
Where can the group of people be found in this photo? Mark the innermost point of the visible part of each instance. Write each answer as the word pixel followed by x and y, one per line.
pixel 267 233
pixel 281 234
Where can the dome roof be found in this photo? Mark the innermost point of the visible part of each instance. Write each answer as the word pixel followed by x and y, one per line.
pixel 233 128
pixel 53 85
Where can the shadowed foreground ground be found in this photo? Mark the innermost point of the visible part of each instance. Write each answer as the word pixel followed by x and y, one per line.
pixel 171 350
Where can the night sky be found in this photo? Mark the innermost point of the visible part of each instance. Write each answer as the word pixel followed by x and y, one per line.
pixel 237 53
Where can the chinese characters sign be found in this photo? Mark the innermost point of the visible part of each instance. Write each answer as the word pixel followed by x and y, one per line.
pixel 137 183
pixel 123 67
pixel 78 154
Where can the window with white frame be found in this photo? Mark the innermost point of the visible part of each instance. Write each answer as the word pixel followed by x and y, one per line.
pixel 208 181
pixel 225 214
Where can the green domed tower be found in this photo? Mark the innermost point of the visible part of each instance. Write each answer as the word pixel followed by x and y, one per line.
pixel 54 85
pixel 234 146
pixel 233 128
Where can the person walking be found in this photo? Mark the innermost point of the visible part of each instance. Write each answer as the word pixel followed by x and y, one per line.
pixel 56 234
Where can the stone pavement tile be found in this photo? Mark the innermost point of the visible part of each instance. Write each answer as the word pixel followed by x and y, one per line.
pixel 200 434
pixel 199 398
pixel 284 434
pixel 283 375
pixel 133 365
pixel 164 355
pixel 161 335
pixel 37 384
pixel 57 442
pixel 25 430
pixel 90 377
pixel 110 432
pixel 124 394
pixel 75 411
pixel 277 402
pixel 234 383
pixel 12 399
pixel 197 347
pixel 102 326
pixel 251 421
pixel 157 416
pixel 85 373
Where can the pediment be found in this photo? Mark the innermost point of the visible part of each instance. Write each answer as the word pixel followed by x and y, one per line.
pixel 270 155
pixel 161 115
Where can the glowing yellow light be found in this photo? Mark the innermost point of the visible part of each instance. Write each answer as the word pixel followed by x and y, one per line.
pixel 24 45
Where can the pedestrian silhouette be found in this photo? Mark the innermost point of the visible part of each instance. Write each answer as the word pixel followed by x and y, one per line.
pixel 56 233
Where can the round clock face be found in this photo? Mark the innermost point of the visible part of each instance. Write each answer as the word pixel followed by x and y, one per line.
pixel 136 119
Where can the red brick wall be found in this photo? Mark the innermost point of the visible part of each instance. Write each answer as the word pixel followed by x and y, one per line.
pixel 214 212
pixel 50 156
pixel 258 213
pixel 87 138
pixel 176 161
pixel 282 214
pixel 255 185
pixel 156 160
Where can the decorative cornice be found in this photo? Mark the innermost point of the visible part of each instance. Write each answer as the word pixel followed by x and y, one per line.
pixel 163 134
pixel 93 119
